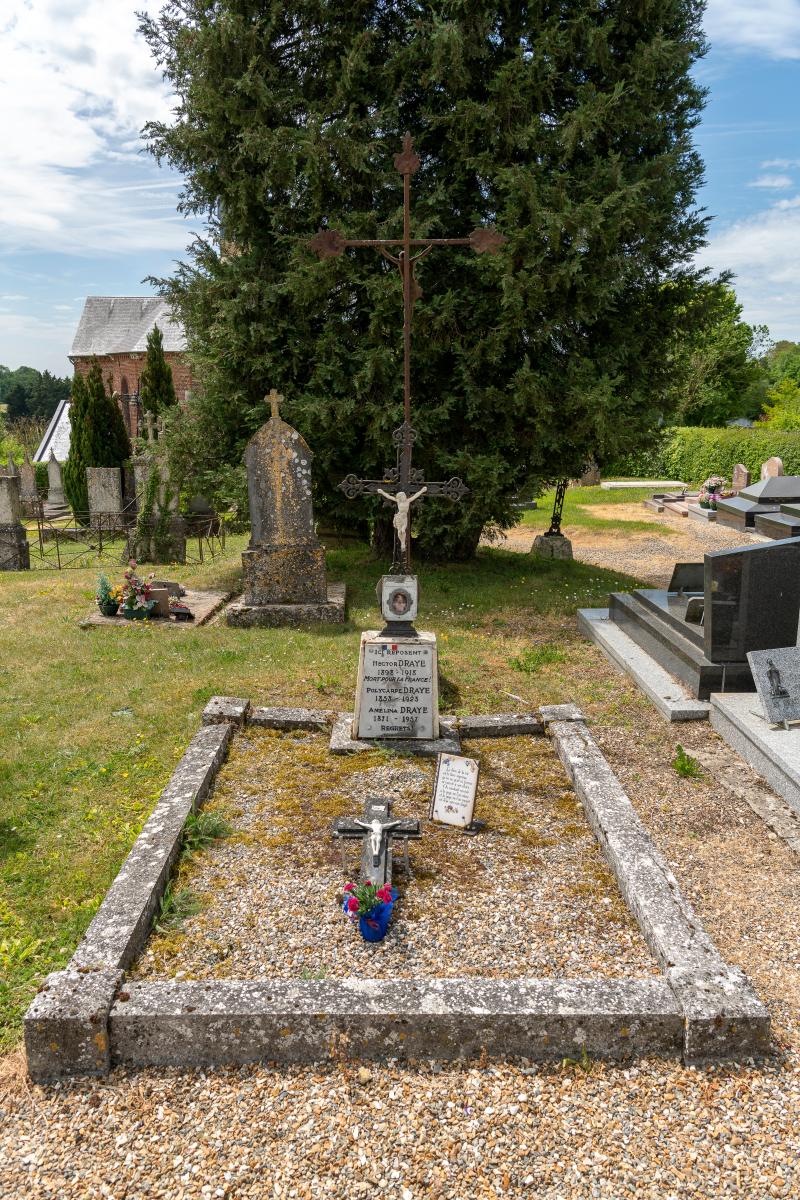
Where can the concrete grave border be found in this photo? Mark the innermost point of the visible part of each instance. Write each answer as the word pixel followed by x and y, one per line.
pixel 87 1017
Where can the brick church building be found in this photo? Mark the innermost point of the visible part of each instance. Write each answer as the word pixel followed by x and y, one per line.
pixel 114 329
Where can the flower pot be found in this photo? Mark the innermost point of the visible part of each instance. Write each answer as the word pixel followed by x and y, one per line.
pixel 138 614
pixel 373 926
pixel 109 609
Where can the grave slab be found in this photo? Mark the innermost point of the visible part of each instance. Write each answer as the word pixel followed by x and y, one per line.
pixel 204 605
pixel 773 753
pixel 310 719
pixel 670 698
pixel 220 710
pixel 500 725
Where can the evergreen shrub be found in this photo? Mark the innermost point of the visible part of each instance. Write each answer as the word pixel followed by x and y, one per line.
pixel 692 453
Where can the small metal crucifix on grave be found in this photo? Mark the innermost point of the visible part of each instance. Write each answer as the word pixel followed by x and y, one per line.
pixel 377 831
pixel 403 480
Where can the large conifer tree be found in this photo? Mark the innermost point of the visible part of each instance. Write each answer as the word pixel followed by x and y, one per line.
pixel 568 125
pixel 97 435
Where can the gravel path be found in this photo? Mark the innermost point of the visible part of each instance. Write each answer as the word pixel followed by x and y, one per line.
pixel 647 556
pixel 531 895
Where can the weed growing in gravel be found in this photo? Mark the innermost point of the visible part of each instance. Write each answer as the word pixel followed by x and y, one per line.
pixel 175 907
pixel 201 829
pixel 685 765
pixel 536 657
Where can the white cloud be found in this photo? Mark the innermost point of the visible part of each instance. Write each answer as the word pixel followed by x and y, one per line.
pixel 780 164
pixel 778 182
pixel 771 27
pixel 763 251
pixel 77 84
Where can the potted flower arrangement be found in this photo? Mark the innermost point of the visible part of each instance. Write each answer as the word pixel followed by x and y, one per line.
pixel 711 491
pixel 371 906
pixel 136 602
pixel 108 597
pixel 179 610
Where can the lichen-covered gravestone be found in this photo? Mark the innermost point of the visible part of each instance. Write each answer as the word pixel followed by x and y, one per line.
pixel 56 505
pixel 14 552
pixel 284 567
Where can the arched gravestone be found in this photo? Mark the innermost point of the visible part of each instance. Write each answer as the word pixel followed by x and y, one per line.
pixel 284 566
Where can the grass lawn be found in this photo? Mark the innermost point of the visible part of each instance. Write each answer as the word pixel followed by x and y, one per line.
pixel 93 720
pixel 578 504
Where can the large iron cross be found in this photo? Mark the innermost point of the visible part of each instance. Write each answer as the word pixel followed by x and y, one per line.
pixel 404 252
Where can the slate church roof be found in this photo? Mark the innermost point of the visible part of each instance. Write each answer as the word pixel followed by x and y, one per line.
pixel 120 325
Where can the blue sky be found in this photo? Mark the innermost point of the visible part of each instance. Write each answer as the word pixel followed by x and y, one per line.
pixel 84 212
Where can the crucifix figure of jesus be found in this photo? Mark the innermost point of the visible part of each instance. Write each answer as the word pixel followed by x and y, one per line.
pixel 404 253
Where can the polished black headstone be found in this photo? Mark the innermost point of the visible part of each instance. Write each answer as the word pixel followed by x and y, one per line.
pixel 752 599
pixel 739 513
pixel 775 489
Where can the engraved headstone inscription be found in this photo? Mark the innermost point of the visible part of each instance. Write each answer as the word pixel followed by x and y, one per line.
pixel 396 692
pixel 454 790
pixel 776 674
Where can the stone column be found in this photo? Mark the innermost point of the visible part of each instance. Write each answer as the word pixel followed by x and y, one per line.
pixel 14 550
pixel 104 485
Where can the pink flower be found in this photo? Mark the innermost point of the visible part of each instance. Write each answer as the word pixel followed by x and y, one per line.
pixel 352 904
pixel 349 887
pixel 384 893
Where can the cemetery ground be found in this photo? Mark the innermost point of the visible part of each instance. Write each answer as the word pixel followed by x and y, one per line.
pixel 93 722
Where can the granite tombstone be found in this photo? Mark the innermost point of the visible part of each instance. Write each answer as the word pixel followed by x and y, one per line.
pixel 776 674
pixel 14 550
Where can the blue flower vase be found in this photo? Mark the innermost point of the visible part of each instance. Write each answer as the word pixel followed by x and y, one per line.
pixel 373 926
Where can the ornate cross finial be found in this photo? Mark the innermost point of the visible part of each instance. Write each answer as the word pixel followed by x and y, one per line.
pixel 275 399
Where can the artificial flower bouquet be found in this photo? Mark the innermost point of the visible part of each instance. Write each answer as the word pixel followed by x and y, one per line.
pixel 371 906
pixel 136 591
pixel 713 489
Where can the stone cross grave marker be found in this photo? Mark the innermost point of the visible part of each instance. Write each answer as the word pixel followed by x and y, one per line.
pixel 404 483
pixel 377 830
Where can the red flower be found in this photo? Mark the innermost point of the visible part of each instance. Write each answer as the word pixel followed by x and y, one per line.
pixel 384 893
pixel 352 904
pixel 349 887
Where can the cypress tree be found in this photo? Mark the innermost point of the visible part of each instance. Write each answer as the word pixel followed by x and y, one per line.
pixel 156 387
pixel 568 125
pixel 97 435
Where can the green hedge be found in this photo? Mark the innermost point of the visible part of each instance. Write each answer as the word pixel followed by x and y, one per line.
pixel 692 453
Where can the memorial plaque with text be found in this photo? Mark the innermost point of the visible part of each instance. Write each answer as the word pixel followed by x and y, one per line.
pixel 397 690
pixel 454 790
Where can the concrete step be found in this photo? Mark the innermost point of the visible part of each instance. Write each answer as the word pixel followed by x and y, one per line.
pixel 670 698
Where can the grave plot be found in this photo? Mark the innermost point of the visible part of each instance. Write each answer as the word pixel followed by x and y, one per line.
pixel 531 895
pixel 512 943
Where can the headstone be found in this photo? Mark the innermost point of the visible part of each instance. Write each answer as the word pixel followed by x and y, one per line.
pixel 104 485
pixel 397 687
pixel 752 600
pixel 161 597
pixel 14 550
pixel 740 478
pixel 454 790
pixel 28 491
pixel 285 563
pixel 56 505
pixel 11 469
pixel 591 476
pixel 776 674
pixel 772 468
pixel 284 566
pixel 687 577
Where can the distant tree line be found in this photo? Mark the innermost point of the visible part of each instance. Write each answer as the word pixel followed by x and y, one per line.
pixel 27 392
